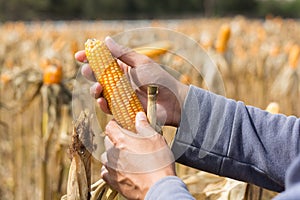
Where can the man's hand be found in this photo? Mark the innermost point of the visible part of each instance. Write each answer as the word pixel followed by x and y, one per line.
pixel 142 71
pixel 134 162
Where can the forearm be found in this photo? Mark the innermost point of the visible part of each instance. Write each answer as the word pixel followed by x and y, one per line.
pixel 226 137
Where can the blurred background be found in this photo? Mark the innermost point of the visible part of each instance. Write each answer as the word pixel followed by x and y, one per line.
pixel 146 9
pixel 255 44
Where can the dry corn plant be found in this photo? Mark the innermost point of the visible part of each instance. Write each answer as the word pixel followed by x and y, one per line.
pixel 287 82
pixel 55 120
pixel 38 127
pixel 79 179
pixel 20 101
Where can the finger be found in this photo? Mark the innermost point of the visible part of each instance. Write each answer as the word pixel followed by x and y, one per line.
pixel 87 72
pixel 142 125
pixel 127 55
pixel 110 177
pixel 141 120
pixel 105 175
pixel 103 158
pixel 123 66
pixel 111 156
pixel 80 56
pixel 95 90
pixel 103 171
pixel 103 105
pixel 115 49
pixel 114 132
pixel 111 159
pixel 108 143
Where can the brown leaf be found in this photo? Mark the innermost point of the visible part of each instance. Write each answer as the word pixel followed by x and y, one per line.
pixel 77 188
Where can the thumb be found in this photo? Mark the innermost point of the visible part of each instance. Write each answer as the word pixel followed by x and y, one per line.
pixel 142 125
pixel 125 54
pixel 116 49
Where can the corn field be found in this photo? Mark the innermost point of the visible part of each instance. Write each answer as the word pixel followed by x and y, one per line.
pixel 258 61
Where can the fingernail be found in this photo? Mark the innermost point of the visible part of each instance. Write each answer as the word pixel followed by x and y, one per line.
pixel 140 116
pixel 109 41
pixel 109 38
pixel 76 54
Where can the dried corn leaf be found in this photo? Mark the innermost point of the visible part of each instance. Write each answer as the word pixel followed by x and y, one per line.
pixel 77 182
pixel 102 191
pixel 97 189
pixel 285 83
pixel 80 170
pixel 206 186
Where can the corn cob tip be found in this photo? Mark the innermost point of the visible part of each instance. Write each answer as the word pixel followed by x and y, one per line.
pixel 92 43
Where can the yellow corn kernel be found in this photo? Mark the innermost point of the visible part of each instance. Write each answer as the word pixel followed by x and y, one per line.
pixel 122 99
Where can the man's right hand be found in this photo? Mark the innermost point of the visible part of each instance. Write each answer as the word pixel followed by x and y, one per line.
pixel 142 71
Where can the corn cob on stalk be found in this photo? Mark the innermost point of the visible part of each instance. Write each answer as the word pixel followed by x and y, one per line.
pixel 294 55
pixel 154 50
pixel 223 37
pixel 273 108
pixel 122 100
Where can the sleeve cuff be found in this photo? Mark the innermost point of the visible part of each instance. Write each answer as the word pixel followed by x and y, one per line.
pixel 170 187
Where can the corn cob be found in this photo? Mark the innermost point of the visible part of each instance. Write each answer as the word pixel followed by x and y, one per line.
pixel 52 74
pixel 294 55
pixel 122 100
pixel 154 50
pixel 273 108
pixel 223 37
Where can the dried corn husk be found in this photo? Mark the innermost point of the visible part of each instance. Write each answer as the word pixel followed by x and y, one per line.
pixel 204 186
pixel 79 179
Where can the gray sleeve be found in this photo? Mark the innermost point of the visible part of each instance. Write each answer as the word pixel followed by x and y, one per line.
pixel 170 187
pixel 225 137
pixel 292 181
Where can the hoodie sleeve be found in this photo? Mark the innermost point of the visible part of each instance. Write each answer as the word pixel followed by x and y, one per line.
pixel 292 181
pixel 228 138
pixel 170 187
